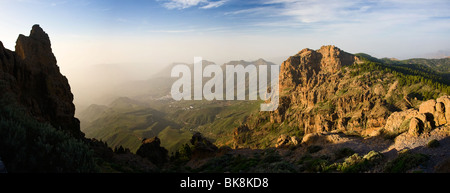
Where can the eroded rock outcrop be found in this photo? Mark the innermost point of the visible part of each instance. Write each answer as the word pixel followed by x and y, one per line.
pixel 202 147
pixel 302 69
pixel 287 141
pixel 152 150
pixel 310 82
pixel 431 114
pixel 31 74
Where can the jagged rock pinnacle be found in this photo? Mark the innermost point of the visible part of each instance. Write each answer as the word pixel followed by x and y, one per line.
pixel 39 34
pixel 35 78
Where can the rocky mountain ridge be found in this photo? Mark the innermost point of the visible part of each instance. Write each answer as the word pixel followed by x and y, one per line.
pixel 327 90
pixel 32 73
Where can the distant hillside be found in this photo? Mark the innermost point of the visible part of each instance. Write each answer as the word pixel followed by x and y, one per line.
pixel 117 123
pixel 438 67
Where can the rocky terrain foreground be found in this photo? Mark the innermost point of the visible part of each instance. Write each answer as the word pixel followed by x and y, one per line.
pixel 416 137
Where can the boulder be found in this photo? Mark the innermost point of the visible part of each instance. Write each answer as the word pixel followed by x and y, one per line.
pixel 398 119
pixel 428 107
pixel 282 141
pixel 445 100
pixel 295 140
pixel 439 116
pixel 415 127
pixel 287 141
pixel 152 150
pixel 312 138
pixel 203 148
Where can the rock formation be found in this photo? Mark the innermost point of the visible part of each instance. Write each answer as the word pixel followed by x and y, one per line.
pixel 152 150
pixel 202 148
pixel 431 114
pixel 287 141
pixel 31 74
pixel 303 69
pixel 328 90
pixel 241 135
pixel 309 82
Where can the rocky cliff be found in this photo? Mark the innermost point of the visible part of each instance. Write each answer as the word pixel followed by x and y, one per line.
pixel 331 90
pixel 32 75
pixel 430 115
pixel 311 82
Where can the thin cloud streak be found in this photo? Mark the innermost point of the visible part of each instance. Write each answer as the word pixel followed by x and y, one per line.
pixel 184 4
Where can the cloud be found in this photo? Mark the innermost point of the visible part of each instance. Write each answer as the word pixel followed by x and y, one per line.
pixel 183 4
pixel 171 31
pixel 314 11
pixel 214 4
pixel 191 29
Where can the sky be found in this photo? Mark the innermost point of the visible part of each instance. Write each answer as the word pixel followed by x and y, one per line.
pixel 110 41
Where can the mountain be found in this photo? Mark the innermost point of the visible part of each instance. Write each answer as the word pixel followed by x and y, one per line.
pixel 438 67
pixel 126 122
pixel 342 112
pixel 36 80
pixel 339 112
pixel 329 90
pixel 38 130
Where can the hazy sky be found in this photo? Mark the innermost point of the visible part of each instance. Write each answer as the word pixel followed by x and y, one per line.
pixel 135 38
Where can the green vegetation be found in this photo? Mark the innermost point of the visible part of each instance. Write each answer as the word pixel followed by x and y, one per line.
pixel 327 106
pixel 30 146
pixel 433 144
pixel 403 128
pixel 407 74
pixel 439 65
pixel 126 122
pixel 343 152
pixel 181 156
pixel 267 161
pixel 310 164
pixel 356 163
pixel 173 139
pixel 352 164
pixel 405 161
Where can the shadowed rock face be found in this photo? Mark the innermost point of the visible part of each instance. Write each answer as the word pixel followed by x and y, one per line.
pixel 32 75
pixel 202 148
pixel 152 150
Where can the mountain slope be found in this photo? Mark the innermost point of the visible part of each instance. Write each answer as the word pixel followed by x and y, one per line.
pixel 118 122
pixel 328 89
pixel 38 130
pixel 126 122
